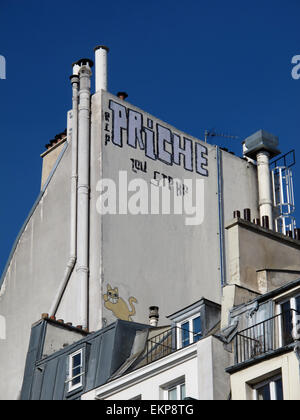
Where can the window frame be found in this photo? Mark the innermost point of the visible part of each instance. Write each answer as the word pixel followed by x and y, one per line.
pixel 191 331
pixel 174 385
pixel 292 299
pixel 272 387
pixel 71 378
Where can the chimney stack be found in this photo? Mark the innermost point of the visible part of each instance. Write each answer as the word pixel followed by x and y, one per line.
pixel 153 316
pixel 262 147
pixel 101 52
pixel 122 95
pixel 53 150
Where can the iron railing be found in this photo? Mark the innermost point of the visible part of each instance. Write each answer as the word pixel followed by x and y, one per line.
pixel 168 342
pixel 267 336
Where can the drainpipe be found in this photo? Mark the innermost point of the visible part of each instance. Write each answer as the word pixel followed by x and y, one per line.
pixel 101 67
pixel 73 216
pixel 101 56
pixel 221 216
pixel 83 187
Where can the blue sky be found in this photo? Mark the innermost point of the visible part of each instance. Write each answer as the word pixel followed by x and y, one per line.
pixel 195 64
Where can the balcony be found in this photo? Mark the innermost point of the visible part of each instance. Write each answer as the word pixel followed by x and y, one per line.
pixel 168 342
pixel 267 336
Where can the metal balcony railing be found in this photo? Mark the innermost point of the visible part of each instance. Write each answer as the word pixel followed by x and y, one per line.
pixel 168 342
pixel 267 336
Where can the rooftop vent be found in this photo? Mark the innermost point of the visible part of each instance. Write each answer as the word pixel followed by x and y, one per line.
pixel 261 141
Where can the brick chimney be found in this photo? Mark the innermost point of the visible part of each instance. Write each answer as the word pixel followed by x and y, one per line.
pixel 53 149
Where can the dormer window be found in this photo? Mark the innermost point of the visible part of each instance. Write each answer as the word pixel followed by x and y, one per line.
pixel 195 322
pixel 75 379
pixel 190 331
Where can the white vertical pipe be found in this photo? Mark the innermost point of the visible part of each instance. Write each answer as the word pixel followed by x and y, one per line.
pixel 75 86
pixel 83 189
pixel 264 187
pixel 101 67
pixel 76 68
pixel 73 137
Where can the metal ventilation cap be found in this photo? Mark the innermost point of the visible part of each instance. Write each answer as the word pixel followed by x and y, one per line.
pixel 85 62
pixel 261 141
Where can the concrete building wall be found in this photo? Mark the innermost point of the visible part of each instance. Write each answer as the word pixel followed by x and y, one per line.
pixel 49 159
pixel 33 276
pixel 159 260
pixel 146 259
pixel 214 383
pixel 252 249
pixel 200 366
pixel 154 387
pixel 286 364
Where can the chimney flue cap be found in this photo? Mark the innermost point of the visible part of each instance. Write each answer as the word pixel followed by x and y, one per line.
pixel 101 47
pixel 74 78
pixel 84 62
pixel 153 315
pixel 122 95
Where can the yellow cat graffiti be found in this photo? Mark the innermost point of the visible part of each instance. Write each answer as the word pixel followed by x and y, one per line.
pixel 114 303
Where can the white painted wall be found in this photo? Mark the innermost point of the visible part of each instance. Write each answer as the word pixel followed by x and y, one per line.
pixel 2 328
pixel 201 366
pixel 156 259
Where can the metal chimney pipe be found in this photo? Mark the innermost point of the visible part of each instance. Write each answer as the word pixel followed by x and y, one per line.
pixel 264 187
pixel 83 187
pixel 122 95
pixel 101 67
pixel 297 234
pixel 247 215
pixel 76 69
pixel 153 316
pixel 265 222
pixel 236 214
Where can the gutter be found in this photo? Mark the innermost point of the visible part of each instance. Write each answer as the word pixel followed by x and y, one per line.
pixel 221 217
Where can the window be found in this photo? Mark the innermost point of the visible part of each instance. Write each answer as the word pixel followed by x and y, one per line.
pixel 175 392
pixel 269 390
pixel 190 331
pixel 137 398
pixel 75 370
pixel 290 319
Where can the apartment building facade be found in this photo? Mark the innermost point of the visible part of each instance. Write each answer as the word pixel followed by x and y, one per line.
pixel 134 213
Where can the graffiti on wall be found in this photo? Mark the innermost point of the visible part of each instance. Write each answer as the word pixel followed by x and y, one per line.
pixel 158 142
pixel 114 303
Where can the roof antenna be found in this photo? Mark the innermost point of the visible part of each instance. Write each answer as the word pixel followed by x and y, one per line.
pixel 213 133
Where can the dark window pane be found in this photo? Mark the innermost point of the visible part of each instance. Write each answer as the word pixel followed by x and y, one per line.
pixel 76 371
pixel 279 390
pixel 77 360
pixel 263 393
pixel 287 323
pixel 197 329
pixel 298 304
pixel 185 334
pixel 76 381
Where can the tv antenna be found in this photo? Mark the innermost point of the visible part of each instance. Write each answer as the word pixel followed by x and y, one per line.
pixel 213 133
